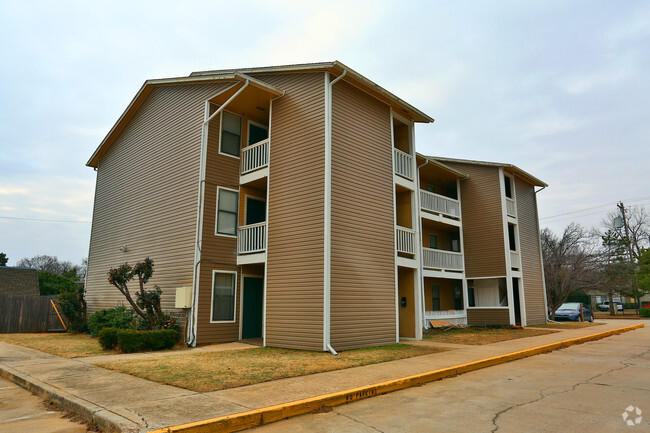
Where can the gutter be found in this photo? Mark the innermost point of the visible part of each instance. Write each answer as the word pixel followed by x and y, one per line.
pixel 327 277
pixel 193 317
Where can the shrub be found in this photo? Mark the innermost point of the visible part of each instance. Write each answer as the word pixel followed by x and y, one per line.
pixel 52 284
pixel 117 317
pixel 72 305
pixel 163 321
pixel 108 338
pixel 645 312
pixel 134 341
pixel 630 305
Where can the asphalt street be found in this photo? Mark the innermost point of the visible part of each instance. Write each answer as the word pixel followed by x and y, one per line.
pixel 601 386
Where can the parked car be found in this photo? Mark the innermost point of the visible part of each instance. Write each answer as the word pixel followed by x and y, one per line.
pixel 571 311
pixel 605 306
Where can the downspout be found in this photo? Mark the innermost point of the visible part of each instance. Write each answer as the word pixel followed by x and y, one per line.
pixel 421 240
pixel 191 328
pixel 327 277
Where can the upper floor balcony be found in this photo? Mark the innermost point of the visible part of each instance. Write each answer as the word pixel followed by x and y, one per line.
pixel 403 164
pixel 255 161
pixel 439 204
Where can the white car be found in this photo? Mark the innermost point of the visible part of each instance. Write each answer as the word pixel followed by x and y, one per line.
pixel 605 306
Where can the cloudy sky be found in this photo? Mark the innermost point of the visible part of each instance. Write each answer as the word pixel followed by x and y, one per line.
pixel 560 89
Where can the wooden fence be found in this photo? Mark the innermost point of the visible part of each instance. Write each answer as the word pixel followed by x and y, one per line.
pixel 28 313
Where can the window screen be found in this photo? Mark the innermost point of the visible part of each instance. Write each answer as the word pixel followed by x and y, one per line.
pixel 230 134
pixel 227 212
pixel 223 297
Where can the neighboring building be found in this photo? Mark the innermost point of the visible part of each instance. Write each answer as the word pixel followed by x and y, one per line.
pixel 289 198
pixel 19 281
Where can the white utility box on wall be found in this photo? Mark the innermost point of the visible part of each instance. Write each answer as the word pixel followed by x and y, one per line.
pixel 183 297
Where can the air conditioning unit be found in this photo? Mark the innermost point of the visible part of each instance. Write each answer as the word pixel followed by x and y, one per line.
pixel 183 297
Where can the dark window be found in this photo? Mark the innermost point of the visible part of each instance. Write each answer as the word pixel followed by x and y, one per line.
pixel 433 241
pixel 435 297
pixel 508 185
pixel 230 134
pixel 227 212
pixel 511 237
pixel 223 297
pixel 256 134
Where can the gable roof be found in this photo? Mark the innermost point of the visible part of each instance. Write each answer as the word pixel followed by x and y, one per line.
pixel 242 74
pixel 509 168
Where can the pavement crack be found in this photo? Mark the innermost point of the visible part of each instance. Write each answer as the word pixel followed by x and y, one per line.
pixel 359 422
pixel 146 424
pixel 625 364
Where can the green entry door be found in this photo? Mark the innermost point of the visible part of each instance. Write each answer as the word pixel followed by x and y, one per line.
pixel 252 317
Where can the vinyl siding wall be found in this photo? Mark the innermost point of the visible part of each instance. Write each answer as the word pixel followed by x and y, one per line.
pixel 294 287
pixel 218 253
pixel 482 221
pixel 488 316
pixel 530 255
pixel 146 195
pixel 363 250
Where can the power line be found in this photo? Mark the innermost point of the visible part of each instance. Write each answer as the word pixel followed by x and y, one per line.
pixel 44 220
pixel 580 216
pixel 596 207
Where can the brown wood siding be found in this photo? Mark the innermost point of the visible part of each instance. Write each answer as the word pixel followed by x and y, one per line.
pixel 218 253
pixel 363 250
pixel 146 194
pixel 488 316
pixel 530 256
pixel 480 197
pixel 406 290
pixel 295 252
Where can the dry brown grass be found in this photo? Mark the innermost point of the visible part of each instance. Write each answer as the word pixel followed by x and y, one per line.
pixel 64 345
pixel 481 335
pixel 566 325
pixel 203 372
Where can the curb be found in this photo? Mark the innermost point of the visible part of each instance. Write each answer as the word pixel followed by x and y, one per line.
pixel 257 417
pixel 107 421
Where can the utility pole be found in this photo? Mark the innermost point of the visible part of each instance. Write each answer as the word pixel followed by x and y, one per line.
pixel 621 206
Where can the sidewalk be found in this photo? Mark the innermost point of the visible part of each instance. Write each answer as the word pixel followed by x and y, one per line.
pixel 119 402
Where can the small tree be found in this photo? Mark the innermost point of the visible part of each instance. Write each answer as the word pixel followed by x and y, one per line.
pixel 72 302
pixel 147 302
pixel 643 276
pixel 3 259
pixel 568 264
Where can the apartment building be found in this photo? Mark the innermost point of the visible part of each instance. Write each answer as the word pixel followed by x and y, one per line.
pixel 287 206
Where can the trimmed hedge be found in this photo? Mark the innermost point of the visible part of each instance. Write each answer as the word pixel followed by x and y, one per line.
pixel 134 341
pixel 117 317
pixel 108 338
pixel 630 305
pixel 645 312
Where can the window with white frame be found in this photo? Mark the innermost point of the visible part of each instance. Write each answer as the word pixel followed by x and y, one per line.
pixel 224 285
pixel 227 207
pixel 230 133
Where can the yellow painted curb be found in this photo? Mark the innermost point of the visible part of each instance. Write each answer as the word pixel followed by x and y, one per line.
pixel 253 418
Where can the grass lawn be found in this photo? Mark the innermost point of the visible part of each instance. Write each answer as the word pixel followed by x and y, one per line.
pixel 203 372
pixel 64 345
pixel 476 335
pixel 567 325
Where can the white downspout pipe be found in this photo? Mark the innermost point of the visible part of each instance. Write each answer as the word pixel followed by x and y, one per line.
pixel 191 327
pixel 421 241
pixel 328 220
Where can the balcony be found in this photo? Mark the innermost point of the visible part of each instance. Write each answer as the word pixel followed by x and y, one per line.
pixel 255 156
pixel 405 240
pixel 251 238
pixel 452 316
pixel 403 164
pixel 511 207
pixel 444 260
pixel 437 203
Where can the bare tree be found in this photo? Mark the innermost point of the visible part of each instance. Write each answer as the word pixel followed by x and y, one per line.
pixel 50 264
pixel 569 264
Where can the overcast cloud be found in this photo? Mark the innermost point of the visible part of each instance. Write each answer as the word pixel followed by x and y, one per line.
pixel 558 88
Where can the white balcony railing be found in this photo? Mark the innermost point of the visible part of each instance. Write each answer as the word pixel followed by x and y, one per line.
pixel 251 238
pixel 255 156
pixel 511 207
pixel 515 259
pixel 405 240
pixel 403 164
pixel 444 314
pixel 440 204
pixel 438 259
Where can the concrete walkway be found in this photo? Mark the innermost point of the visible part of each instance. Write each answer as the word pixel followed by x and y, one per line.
pixel 119 402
